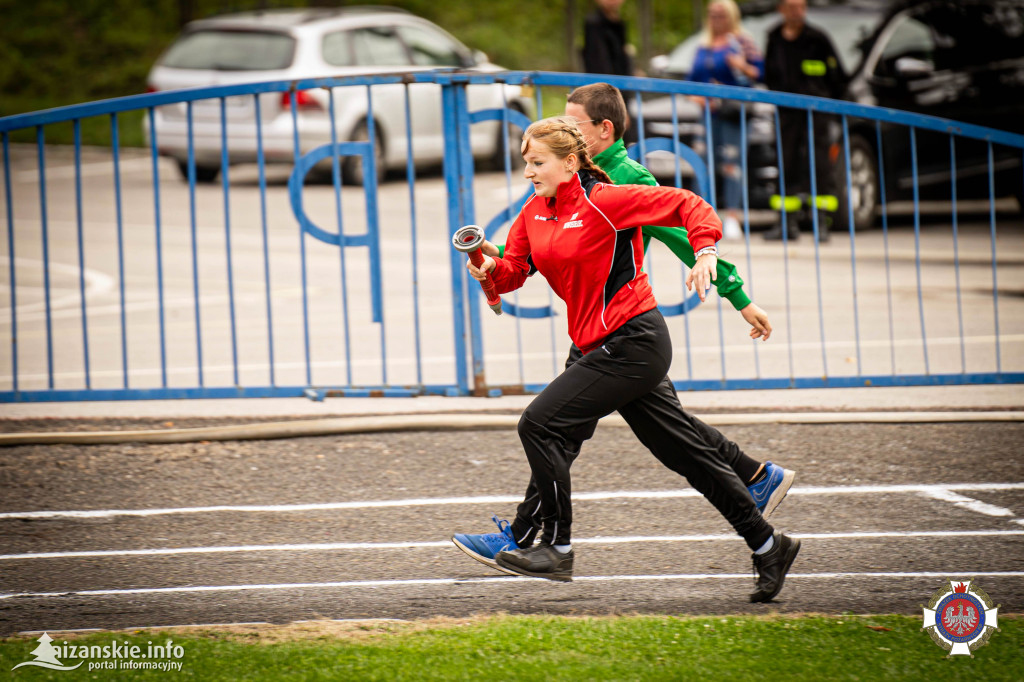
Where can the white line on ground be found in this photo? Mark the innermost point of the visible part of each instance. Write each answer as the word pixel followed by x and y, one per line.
pixel 499 499
pixel 503 579
pixel 968 503
pixel 350 621
pixel 339 546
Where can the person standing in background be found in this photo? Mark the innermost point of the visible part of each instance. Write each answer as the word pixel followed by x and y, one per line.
pixel 604 40
pixel 727 56
pixel 605 50
pixel 801 59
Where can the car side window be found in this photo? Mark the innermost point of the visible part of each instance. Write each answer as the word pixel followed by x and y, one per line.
pixel 336 49
pixel 378 46
pixel 912 39
pixel 430 48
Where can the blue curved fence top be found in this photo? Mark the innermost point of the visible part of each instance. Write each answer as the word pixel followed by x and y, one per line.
pixel 537 78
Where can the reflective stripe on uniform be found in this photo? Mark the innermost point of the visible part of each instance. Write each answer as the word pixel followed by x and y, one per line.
pixel 792 203
pixel 813 67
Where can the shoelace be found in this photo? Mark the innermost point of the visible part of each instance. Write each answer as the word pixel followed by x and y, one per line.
pixel 505 528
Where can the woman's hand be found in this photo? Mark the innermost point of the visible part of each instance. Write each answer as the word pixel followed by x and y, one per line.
pixel 758 319
pixel 702 273
pixel 480 274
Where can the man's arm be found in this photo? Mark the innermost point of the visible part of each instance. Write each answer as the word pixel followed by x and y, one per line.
pixel 728 283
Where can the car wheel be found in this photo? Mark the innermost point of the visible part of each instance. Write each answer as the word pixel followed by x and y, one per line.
pixel 515 140
pixel 353 167
pixel 204 174
pixel 864 191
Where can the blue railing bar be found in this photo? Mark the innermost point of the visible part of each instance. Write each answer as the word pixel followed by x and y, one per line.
pixel 506 153
pixel 195 248
pixel 785 238
pixel 627 83
pixel 746 219
pixel 711 198
pixel 995 277
pixel 817 246
pixel 885 243
pixel 336 178
pixel 853 245
pixel 956 253
pixel 115 141
pixel 410 176
pixel 65 395
pixel 456 259
pixel 917 243
pixel 447 390
pixel 159 249
pixel 226 186
pixel 679 183
pixel 465 159
pixel 40 148
pixel 302 243
pixel 81 250
pixel 372 231
pixel 261 167
pixel 10 254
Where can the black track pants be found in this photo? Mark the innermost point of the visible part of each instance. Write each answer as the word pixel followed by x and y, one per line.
pixel 628 373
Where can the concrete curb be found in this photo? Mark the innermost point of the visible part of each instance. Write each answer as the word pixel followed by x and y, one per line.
pixel 463 422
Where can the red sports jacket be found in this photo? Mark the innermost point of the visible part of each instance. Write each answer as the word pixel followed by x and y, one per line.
pixel 587 243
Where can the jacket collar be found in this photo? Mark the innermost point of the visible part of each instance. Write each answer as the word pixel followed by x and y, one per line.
pixel 613 156
pixel 571 191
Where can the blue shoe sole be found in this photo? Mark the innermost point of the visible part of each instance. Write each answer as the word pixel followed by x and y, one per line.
pixel 481 558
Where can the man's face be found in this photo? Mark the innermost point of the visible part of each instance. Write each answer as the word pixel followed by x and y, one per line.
pixel 793 12
pixel 591 129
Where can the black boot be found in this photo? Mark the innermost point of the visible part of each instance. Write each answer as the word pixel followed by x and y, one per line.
pixel 772 567
pixel 824 226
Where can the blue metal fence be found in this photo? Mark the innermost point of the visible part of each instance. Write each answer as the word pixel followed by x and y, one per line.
pixel 171 290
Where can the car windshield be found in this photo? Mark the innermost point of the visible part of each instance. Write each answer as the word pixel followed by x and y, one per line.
pixel 231 51
pixel 847 27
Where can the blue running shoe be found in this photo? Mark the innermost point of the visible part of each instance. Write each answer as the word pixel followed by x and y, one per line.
pixel 769 493
pixel 484 548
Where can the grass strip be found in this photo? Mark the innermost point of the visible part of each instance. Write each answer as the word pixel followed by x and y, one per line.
pixel 813 647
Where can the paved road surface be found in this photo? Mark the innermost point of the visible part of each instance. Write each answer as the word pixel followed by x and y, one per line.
pixel 886 512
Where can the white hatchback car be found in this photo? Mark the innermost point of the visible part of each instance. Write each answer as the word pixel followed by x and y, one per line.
pixel 273 45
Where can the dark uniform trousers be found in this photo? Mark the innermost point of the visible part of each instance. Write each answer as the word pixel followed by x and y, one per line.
pixel 628 374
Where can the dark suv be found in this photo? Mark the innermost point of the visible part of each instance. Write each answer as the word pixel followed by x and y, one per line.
pixel 957 59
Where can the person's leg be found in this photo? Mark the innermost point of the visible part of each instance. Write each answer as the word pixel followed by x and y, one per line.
pixel 727 156
pixel 793 171
pixel 621 370
pixel 527 523
pixel 695 450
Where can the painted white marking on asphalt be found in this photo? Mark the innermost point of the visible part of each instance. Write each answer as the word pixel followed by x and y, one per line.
pixel 497 499
pixel 341 546
pixel 503 579
pixel 968 503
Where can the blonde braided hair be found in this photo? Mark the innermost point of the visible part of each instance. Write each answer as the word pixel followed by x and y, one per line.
pixel 563 137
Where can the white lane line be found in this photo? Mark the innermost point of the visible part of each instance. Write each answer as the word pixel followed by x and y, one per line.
pixel 503 579
pixel 498 499
pixel 968 503
pixel 341 546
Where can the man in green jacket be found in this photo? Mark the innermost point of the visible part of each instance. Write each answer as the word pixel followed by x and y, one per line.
pixel 601 113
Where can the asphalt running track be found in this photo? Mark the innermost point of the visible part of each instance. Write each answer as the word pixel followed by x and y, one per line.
pixel 357 526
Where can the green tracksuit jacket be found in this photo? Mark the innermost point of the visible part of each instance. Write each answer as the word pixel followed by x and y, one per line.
pixel 625 171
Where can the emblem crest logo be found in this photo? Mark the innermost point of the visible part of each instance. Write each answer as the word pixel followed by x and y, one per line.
pixel 960 617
